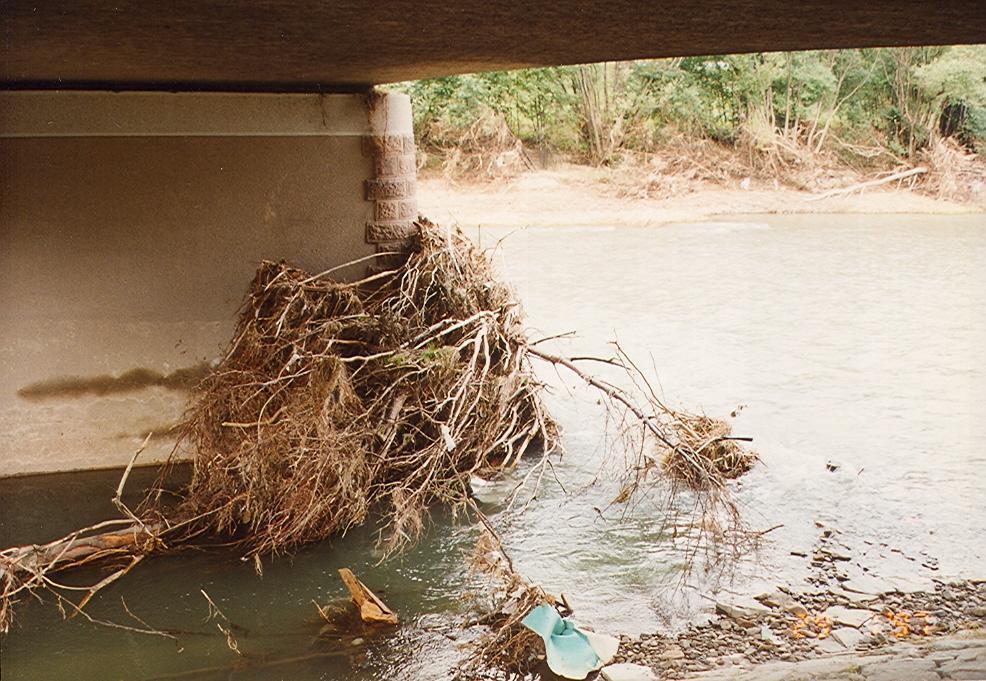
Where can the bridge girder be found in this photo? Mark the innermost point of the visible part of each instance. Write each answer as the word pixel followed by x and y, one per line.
pixel 281 45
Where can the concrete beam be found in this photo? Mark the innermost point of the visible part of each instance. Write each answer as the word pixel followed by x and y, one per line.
pixel 131 225
pixel 280 45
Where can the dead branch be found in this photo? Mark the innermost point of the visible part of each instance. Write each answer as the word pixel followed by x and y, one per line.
pixel 869 184
pixel 77 548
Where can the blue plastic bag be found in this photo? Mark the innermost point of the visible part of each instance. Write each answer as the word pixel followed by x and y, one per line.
pixel 569 653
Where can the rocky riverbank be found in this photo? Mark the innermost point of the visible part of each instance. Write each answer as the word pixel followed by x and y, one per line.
pixel 793 627
pixel 837 614
pixel 957 657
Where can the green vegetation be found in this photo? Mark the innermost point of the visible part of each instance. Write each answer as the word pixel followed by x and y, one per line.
pixel 868 108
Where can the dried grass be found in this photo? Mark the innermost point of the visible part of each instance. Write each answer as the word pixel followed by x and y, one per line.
pixel 707 454
pixel 507 649
pixel 683 164
pixel 953 172
pixel 487 150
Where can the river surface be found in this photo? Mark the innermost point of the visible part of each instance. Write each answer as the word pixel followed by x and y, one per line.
pixel 855 343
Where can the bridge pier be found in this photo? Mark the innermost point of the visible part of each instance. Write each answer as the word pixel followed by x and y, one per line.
pixel 130 227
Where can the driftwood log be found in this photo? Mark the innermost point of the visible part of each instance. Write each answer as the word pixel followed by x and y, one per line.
pixel 869 184
pixel 75 551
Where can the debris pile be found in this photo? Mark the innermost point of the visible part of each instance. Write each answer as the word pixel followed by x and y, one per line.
pixel 385 394
pixel 706 454
pixel 505 647
pixel 340 403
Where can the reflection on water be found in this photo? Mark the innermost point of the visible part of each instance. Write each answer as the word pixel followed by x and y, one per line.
pixel 855 340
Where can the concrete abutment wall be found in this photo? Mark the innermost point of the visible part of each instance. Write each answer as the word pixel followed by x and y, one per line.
pixel 130 227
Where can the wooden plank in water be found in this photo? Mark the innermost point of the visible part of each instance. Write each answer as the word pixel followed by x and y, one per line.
pixel 371 609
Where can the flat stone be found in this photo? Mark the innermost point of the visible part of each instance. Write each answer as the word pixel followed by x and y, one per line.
pixel 910 584
pixel 737 612
pixel 820 666
pixel 971 653
pixel 974 636
pixel 862 600
pixel 797 610
pixel 834 555
pixel 766 634
pixel 849 637
pixel 849 617
pixel 828 645
pixel 772 599
pixel 941 655
pixel 866 585
pixel 949 644
pixel 908 650
pixel 625 671
pixel 672 653
pixel 912 669
pixel 874 658
pixel 605 646
pixel 955 666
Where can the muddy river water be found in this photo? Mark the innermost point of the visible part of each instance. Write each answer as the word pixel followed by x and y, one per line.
pixel 856 343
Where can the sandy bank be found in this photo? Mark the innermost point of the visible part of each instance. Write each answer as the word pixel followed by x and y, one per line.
pixel 572 195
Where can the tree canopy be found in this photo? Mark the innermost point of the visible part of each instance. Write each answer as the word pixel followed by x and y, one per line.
pixel 899 99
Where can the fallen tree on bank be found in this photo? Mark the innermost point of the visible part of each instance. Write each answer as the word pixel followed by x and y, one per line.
pixel 388 395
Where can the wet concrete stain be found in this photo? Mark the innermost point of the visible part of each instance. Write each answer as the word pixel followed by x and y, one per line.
pixel 130 381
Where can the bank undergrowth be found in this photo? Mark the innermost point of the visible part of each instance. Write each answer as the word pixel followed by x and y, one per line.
pixel 811 121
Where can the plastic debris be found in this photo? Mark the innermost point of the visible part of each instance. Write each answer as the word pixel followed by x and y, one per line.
pixel 570 652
